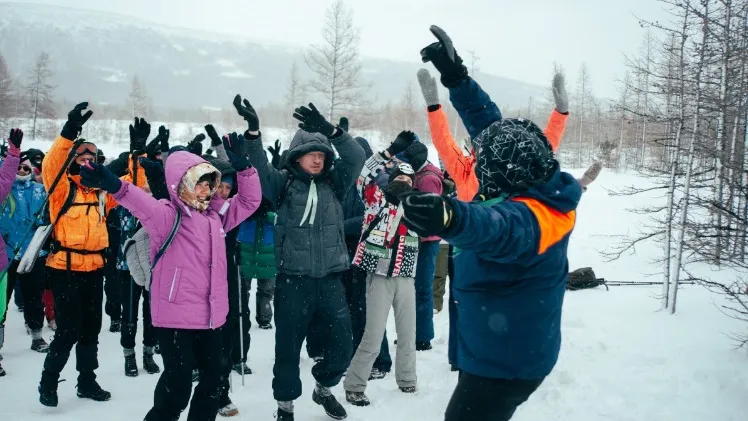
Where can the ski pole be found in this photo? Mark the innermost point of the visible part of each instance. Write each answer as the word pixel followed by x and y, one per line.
pixel 241 316
pixel 632 283
pixel 43 208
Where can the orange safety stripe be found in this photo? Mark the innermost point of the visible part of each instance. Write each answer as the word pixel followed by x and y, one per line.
pixel 554 225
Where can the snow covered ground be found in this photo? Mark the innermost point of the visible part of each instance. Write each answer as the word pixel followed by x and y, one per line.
pixel 621 359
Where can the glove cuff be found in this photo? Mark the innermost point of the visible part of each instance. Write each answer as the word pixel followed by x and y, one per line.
pixel 454 78
pixel 432 108
pixel 70 131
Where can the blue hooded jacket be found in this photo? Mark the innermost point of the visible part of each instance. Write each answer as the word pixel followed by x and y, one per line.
pixel 18 210
pixel 510 276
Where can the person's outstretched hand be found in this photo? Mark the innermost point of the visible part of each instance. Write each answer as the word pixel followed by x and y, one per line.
pixel 97 176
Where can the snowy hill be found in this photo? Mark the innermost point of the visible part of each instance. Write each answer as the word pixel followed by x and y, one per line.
pixel 95 55
pixel 621 359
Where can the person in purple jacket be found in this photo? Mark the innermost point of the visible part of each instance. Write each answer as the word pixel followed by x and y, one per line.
pixel 189 288
pixel 7 178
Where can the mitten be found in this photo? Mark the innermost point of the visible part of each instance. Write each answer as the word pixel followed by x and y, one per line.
pixel 559 93
pixel 445 58
pixel 14 142
pixel 343 124
pixel 428 87
pixel 196 145
pixel 215 140
pixel 401 142
pixel 591 174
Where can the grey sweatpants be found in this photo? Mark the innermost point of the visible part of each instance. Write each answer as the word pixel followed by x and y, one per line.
pixel 381 294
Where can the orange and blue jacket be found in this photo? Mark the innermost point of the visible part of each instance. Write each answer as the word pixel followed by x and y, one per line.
pixel 510 276
pixel 83 226
pixel 461 168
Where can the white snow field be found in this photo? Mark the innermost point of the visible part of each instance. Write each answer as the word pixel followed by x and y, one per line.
pixel 621 358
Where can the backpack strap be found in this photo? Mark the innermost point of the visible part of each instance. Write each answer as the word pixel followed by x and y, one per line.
pixel 69 201
pixel 169 239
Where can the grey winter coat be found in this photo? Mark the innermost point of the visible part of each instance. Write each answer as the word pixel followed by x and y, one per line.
pixel 309 237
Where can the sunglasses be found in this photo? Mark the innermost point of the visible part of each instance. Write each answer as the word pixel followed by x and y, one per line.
pixel 24 168
pixel 87 148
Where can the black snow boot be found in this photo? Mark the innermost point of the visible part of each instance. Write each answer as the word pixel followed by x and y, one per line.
pixel 149 364
pixel 357 398
pixel 131 366
pixel 39 345
pixel 2 371
pixel 423 346
pixel 115 326
pixel 265 326
pixel 323 396
pixel 48 389
pixel 408 389
pixel 282 415
pixel 238 368
pixel 90 389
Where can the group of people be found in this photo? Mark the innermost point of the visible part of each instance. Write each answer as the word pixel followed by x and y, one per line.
pixel 335 234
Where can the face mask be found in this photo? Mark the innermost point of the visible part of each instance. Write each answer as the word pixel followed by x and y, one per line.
pixel 26 177
pixel 395 189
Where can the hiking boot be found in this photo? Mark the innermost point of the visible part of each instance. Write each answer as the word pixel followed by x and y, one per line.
pixel 282 415
pixel 48 390
pixel 52 325
pixel 195 376
pixel 92 390
pixel 149 364
pixel 238 368
pixel 357 398
pixel 333 408
pixel 423 346
pixel 115 326
pixel 377 374
pixel 265 326
pixel 408 389
pixel 39 345
pixel 229 410
pixel 131 366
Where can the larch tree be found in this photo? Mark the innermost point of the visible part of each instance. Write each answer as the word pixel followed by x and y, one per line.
pixel 39 91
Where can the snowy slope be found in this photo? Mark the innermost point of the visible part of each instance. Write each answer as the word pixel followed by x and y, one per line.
pixel 621 359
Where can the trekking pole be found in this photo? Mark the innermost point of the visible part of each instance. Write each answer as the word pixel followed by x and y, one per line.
pixel 632 283
pixel 43 208
pixel 241 317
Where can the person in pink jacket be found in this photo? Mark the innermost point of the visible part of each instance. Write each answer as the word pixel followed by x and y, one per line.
pixel 189 288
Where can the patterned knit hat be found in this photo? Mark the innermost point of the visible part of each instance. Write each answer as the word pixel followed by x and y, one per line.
pixel 513 155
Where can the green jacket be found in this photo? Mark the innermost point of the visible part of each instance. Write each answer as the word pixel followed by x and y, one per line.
pixel 257 247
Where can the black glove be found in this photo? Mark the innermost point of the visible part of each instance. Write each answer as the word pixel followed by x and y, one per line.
pixel 238 162
pixel 15 138
pixel 196 145
pixel 401 142
pixel 154 172
pixel 312 121
pixel 139 132
pixel 163 133
pixel 76 120
pixel 426 213
pixel 248 113
pixel 215 140
pixel 154 147
pixel 235 143
pixel 275 151
pixel 97 176
pixel 445 58
pixel 343 124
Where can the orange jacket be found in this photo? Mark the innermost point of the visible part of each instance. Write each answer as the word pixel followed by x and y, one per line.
pixel 460 167
pixel 82 227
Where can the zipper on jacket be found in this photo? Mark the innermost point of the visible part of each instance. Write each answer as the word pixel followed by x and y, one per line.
pixel 173 281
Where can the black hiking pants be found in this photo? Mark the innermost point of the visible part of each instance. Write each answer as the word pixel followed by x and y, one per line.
pixel 304 304
pixel 183 350
pixel 131 294
pixel 78 300
pixel 32 289
pixel 482 399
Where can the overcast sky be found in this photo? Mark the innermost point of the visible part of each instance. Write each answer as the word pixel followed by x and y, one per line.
pixel 519 39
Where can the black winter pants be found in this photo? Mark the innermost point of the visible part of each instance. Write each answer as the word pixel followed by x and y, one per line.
pixel 131 293
pixel 303 304
pixel 32 288
pixel 482 399
pixel 112 289
pixel 182 350
pixel 78 299
pixel 237 354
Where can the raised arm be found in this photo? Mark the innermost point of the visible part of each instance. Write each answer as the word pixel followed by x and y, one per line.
pixel 10 163
pixel 554 130
pixel 240 207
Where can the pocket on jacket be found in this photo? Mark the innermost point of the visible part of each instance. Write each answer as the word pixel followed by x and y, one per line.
pixel 173 289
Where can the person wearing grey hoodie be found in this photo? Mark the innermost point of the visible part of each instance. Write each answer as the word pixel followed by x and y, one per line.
pixel 310 253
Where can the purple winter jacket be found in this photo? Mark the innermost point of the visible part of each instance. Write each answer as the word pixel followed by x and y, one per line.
pixel 189 289
pixel 7 178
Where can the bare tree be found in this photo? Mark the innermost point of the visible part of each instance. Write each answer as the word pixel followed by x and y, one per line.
pixel 335 63
pixel 138 98
pixel 6 90
pixel 39 91
pixel 295 93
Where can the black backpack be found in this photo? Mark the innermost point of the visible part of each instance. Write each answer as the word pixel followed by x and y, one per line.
pixel 584 278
